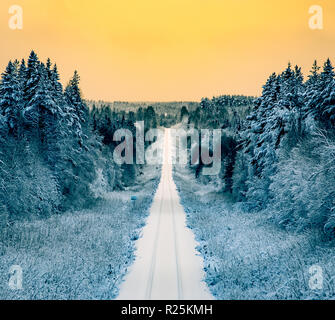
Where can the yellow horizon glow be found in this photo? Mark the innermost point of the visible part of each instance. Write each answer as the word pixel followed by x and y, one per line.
pixel 168 50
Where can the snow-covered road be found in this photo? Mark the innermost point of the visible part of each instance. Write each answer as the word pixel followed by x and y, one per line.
pixel 167 265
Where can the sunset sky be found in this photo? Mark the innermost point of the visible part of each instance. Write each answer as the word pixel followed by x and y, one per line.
pixel 163 50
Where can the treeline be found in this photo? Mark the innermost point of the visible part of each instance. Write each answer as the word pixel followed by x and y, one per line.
pixel 227 113
pixel 279 156
pixel 221 112
pixel 55 153
pixel 166 113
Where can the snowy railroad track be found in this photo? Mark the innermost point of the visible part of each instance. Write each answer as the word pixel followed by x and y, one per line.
pixel 166 188
pixel 167 266
pixel 154 254
pixel 179 278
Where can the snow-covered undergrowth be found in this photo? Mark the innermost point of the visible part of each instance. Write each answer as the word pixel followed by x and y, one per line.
pixel 77 255
pixel 248 257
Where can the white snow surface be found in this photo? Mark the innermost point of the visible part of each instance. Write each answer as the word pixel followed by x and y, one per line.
pixel 167 265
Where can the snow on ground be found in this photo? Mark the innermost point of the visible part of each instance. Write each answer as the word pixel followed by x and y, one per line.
pixel 167 265
pixel 245 256
pixel 77 255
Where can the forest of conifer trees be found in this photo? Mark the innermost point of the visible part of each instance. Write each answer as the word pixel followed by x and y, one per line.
pixel 278 150
pixel 53 146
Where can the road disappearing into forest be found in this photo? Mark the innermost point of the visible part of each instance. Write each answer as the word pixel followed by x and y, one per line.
pixel 167 265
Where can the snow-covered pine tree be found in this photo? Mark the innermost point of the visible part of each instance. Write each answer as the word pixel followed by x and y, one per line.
pixel 11 99
pixel 78 110
pixel 42 111
pixel 320 96
pixel 260 136
pixel 290 105
pixel 70 121
pixel 23 73
pixel 314 76
pixel 74 97
pixel 311 96
pixel 32 76
pixel 326 112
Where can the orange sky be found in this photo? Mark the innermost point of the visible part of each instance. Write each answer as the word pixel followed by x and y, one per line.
pixel 150 50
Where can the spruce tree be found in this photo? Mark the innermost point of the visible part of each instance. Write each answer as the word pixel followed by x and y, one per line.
pixel 74 98
pixel 314 76
pixel 11 98
pixel 326 110
pixel 311 98
pixel 32 76
pixel 319 97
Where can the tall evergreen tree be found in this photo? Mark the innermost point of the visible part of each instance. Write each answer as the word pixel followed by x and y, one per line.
pixel 74 97
pixel 11 98
pixel 32 76
pixel 326 112
pixel 319 98
pixel 313 87
pixel 42 111
pixel 314 76
pixel 258 135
